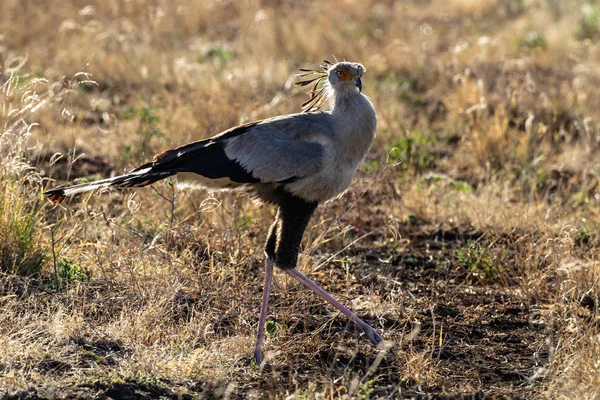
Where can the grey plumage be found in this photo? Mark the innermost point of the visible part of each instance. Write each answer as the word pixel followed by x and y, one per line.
pixel 295 161
pixel 278 149
pixel 315 155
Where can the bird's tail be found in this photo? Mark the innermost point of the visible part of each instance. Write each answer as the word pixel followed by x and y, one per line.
pixel 139 177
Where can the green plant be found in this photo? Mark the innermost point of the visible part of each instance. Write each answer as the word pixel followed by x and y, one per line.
pixel 433 177
pixel 21 252
pixel 272 327
pixel 533 40
pixel 147 130
pixel 370 166
pixel 244 222
pixel 366 389
pixel 66 272
pixel 589 22
pixel 583 236
pixel 477 260
pixel 219 55
pixel 413 150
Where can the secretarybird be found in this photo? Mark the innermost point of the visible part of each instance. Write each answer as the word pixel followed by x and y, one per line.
pixel 294 162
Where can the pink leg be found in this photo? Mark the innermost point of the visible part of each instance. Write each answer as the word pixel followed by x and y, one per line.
pixel 373 335
pixel 264 306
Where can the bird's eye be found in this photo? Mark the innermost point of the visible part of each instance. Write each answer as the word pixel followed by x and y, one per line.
pixel 340 73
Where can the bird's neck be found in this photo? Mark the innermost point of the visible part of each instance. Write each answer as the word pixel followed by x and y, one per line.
pixel 353 112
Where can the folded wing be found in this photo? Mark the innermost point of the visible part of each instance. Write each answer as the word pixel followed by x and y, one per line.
pixel 266 152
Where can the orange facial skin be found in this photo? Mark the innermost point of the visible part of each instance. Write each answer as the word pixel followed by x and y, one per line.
pixel 343 75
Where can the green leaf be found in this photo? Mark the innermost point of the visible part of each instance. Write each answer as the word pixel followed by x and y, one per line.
pixel 272 327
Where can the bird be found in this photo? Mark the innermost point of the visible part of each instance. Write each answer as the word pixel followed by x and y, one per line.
pixel 295 162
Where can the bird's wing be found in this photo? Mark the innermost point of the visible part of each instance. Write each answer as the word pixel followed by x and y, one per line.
pixel 275 150
pixel 205 157
pixel 279 151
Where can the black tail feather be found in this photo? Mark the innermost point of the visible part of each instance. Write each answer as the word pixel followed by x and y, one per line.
pixel 138 178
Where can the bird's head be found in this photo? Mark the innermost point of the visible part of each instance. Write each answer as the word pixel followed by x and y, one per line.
pixel 342 78
pixel 345 75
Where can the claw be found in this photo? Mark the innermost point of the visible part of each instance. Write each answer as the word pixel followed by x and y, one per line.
pixel 374 336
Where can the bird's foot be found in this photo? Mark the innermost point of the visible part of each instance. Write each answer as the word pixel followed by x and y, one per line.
pixel 255 361
pixel 374 336
pixel 257 357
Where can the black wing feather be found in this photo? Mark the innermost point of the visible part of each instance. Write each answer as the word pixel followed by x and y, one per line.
pixel 205 157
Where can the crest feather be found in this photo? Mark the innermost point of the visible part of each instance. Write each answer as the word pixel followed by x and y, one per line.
pixel 317 79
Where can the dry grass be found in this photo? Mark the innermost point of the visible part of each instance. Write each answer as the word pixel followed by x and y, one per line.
pixel 469 238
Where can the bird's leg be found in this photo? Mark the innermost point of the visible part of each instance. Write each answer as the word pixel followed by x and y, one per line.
pixel 373 335
pixel 264 306
pixel 294 215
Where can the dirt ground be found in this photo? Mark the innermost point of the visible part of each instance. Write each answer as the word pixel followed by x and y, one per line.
pixel 482 340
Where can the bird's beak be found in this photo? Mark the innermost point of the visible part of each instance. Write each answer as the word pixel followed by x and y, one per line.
pixel 358 83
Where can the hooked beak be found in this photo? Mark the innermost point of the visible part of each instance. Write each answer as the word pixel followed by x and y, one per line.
pixel 358 83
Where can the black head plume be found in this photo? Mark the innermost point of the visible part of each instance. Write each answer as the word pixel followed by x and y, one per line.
pixel 317 79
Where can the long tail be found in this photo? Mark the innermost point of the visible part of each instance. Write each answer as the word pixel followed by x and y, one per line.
pixel 139 177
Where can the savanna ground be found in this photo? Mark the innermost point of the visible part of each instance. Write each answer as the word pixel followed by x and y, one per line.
pixel 469 237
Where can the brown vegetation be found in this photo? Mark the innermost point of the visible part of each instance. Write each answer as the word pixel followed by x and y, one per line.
pixel 469 238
